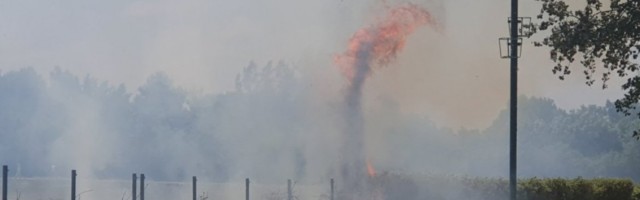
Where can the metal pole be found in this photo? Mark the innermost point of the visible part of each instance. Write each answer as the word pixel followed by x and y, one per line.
pixel 194 187
pixel 332 186
pixel 246 182
pixel 133 186
pixel 5 174
pixel 141 186
pixel 73 184
pixel 289 192
pixel 513 108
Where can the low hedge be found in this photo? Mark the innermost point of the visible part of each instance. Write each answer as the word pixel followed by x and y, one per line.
pixel 556 188
pixel 445 187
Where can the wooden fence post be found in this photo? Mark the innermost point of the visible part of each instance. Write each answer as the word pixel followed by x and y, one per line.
pixel 73 184
pixel 5 174
pixel 141 186
pixel 134 180
pixel 332 189
pixel 246 182
pixel 194 180
pixel 289 192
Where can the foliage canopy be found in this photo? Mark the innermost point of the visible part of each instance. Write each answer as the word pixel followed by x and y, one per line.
pixel 605 34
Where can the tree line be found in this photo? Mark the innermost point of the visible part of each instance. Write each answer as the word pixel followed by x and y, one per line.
pixel 268 127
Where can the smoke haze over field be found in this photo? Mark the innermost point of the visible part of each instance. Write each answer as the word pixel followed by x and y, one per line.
pixel 202 45
pixel 175 89
pixel 272 127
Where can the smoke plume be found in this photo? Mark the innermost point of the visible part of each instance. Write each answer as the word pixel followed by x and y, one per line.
pixel 371 47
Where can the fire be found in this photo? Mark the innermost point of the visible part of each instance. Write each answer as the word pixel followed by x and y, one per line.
pixel 374 46
pixel 380 43
pixel 370 170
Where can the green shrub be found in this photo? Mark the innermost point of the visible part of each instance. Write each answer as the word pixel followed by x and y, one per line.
pixel 557 189
pixel 612 189
pixel 533 189
pixel 636 193
pixel 464 187
pixel 580 189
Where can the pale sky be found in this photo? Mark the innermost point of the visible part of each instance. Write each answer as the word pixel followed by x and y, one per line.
pixel 454 76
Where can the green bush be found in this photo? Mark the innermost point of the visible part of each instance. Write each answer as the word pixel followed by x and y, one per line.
pixel 405 187
pixel 557 189
pixel 580 189
pixel 636 193
pixel 613 189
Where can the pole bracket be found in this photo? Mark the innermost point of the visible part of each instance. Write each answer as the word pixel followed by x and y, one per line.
pixel 505 53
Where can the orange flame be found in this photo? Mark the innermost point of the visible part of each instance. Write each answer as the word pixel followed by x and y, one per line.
pixel 370 170
pixel 381 42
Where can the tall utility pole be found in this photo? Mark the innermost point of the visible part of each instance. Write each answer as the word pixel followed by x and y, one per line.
pixel 519 27
pixel 513 108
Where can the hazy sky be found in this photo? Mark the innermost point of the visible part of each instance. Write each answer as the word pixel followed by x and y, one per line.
pixel 454 76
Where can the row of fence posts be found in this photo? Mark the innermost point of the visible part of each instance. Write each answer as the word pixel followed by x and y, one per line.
pixel 134 195
pixel 134 181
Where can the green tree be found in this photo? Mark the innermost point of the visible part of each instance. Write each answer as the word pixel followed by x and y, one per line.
pixel 605 34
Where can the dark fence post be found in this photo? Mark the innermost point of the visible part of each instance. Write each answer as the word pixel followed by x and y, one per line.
pixel 141 186
pixel 332 190
pixel 289 192
pixel 5 174
pixel 194 187
pixel 133 186
pixel 246 182
pixel 73 184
